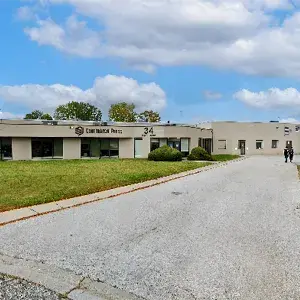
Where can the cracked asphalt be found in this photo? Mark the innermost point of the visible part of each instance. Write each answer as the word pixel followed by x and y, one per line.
pixel 228 233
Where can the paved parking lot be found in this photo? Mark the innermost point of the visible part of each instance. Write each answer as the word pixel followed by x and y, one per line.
pixel 228 233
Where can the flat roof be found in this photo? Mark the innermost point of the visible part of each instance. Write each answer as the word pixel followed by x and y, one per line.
pixel 89 123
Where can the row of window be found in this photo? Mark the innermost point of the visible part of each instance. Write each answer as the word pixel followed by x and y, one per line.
pixel 259 144
pixel 53 147
pixel 182 144
pixel 49 148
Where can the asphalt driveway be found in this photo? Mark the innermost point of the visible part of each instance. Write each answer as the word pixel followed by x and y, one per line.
pixel 228 233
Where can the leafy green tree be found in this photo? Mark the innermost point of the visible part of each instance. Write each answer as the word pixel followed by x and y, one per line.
pixel 46 117
pixel 78 111
pixel 150 116
pixel 36 114
pixel 122 112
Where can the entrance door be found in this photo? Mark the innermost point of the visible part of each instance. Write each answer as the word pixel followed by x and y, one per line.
pixel 138 143
pixel 207 145
pixel 242 147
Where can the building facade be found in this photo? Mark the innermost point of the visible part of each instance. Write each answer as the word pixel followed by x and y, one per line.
pixel 26 140
pixel 253 138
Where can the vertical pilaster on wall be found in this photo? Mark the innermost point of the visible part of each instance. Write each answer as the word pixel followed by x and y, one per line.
pixel 146 146
pixel 21 149
pixel 194 142
pixel 126 148
pixel 72 148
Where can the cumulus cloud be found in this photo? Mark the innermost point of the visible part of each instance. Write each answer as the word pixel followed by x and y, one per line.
pixel 272 98
pixel 104 92
pixel 210 95
pixel 25 13
pixel 75 38
pixel 241 35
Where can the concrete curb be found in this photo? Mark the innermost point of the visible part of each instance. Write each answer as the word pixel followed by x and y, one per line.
pixel 42 209
pixel 63 282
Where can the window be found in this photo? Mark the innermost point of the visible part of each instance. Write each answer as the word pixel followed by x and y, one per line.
pixel 259 144
pixel 207 145
pixel 114 148
pixel 275 144
pixel 200 142
pixel 154 144
pixel 163 142
pixel 221 144
pixel 185 146
pixel 96 148
pixel 174 143
pixel 5 148
pixel 47 147
pixel 289 144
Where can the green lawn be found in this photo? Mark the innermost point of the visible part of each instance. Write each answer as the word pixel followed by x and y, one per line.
pixel 28 183
pixel 224 157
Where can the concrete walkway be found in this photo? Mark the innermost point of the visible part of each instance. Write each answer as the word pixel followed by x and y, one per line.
pixel 230 233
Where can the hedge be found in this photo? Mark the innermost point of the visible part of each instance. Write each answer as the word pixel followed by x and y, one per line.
pixel 165 153
pixel 199 153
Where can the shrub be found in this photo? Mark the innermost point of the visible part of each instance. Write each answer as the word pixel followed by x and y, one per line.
pixel 199 153
pixel 165 153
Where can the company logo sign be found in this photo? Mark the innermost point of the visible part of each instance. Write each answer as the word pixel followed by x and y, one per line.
pixel 79 130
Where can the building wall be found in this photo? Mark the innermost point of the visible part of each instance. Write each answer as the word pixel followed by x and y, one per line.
pixel 126 148
pixel 72 148
pixel 251 132
pixel 22 131
pixel 21 148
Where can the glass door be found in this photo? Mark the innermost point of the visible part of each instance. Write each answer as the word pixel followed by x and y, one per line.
pixel 242 147
pixel 138 143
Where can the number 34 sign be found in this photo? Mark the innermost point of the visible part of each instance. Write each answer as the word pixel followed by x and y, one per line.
pixel 148 130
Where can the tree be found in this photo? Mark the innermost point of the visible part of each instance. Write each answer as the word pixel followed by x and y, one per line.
pixel 37 114
pixel 78 111
pixel 46 117
pixel 122 112
pixel 150 116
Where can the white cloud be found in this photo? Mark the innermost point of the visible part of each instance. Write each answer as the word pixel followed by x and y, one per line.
pixel 210 95
pixel 104 92
pixel 75 38
pixel 272 98
pixel 239 34
pixel 25 13
pixel 290 121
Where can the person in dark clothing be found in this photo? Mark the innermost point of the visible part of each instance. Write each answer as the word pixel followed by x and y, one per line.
pixel 291 154
pixel 286 154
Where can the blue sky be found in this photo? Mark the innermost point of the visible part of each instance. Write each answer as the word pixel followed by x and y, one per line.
pixel 191 60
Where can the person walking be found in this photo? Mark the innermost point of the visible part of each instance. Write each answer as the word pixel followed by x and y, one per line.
pixel 291 154
pixel 286 154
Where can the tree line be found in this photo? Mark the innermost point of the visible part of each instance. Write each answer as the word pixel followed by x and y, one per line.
pixel 119 112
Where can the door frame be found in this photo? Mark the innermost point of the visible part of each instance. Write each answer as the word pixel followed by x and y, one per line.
pixel 136 139
pixel 240 142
